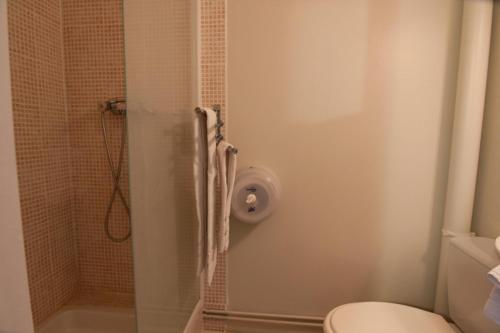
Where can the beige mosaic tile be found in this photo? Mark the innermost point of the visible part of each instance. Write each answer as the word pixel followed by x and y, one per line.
pixel 66 58
pixel 43 152
pixel 95 72
pixel 213 91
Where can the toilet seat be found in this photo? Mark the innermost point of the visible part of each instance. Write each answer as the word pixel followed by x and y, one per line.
pixel 378 317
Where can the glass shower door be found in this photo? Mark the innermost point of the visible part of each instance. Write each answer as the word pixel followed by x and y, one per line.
pixel 161 94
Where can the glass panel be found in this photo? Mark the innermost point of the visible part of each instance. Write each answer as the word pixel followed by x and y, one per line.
pixel 161 93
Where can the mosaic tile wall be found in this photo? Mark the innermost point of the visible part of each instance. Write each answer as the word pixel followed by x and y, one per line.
pixel 95 72
pixel 213 91
pixel 43 152
pixel 67 58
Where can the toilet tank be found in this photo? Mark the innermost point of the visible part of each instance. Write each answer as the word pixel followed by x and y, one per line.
pixel 470 259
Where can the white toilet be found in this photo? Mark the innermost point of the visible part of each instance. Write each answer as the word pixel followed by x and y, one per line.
pixel 470 259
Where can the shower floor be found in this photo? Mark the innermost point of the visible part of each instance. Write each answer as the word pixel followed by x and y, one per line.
pixel 90 319
pixel 103 299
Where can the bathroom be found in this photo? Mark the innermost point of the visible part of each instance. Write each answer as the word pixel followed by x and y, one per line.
pixel 362 166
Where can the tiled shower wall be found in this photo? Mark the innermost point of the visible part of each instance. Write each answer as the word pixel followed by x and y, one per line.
pixel 213 91
pixel 67 58
pixel 95 72
pixel 43 152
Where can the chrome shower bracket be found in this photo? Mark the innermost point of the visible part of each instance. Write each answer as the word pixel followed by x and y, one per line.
pixel 117 106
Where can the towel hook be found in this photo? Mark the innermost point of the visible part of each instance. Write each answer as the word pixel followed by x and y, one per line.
pixel 218 126
pixel 219 137
pixel 217 109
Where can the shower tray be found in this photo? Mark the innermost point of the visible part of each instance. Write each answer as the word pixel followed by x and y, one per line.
pixel 90 319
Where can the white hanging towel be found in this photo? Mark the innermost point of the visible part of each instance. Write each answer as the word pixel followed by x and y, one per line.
pixel 204 174
pixel 492 307
pixel 227 173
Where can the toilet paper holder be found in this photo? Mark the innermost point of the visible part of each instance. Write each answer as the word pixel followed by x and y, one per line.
pixel 256 194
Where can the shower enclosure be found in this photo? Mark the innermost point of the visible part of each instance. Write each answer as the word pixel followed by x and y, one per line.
pixel 103 94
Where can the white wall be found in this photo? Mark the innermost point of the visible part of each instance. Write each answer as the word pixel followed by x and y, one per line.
pixel 350 103
pixel 486 219
pixel 15 309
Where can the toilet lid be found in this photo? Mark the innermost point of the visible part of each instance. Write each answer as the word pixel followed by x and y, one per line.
pixel 377 317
